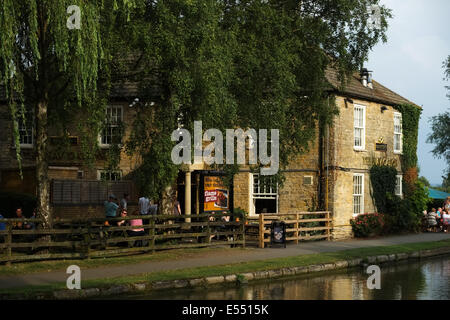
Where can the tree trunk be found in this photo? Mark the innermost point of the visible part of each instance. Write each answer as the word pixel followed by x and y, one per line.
pixel 43 183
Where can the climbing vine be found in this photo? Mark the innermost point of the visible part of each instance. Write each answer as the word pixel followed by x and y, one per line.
pixel 410 123
pixel 401 214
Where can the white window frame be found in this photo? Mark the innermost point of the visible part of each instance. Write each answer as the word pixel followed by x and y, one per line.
pixel 399 185
pixel 266 194
pixel 363 128
pixel 102 171
pixel 110 126
pixel 28 113
pixel 398 115
pixel 361 195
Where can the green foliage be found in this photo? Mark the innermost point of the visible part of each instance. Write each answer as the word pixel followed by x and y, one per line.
pixel 240 213
pixel 383 181
pixel 367 225
pixel 401 215
pixel 247 64
pixel 405 214
pixel 425 181
pixel 58 73
pixel 410 126
pixel 440 135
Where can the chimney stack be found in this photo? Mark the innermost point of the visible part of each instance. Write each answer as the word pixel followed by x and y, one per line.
pixel 366 78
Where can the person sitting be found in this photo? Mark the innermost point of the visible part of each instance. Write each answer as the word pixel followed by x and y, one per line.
pixel 432 221
pixel 446 221
pixel 33 224
pixel 135 232
pixel 2 224
pixel 20 225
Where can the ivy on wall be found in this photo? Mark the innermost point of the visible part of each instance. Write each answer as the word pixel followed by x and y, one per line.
pixel 410 126
pixel 401 214
pixel 383 181
pixel 410 123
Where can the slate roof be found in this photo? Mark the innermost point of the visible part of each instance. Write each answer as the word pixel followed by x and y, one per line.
pixel 354 88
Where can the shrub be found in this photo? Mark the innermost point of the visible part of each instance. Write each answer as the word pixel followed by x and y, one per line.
pixel 383 181
pixel 368 224
pixel 239 213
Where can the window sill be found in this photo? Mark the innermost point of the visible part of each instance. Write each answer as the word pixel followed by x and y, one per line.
pixel 25 146
pixel 359 150
pixel 107 146
pixel 400 153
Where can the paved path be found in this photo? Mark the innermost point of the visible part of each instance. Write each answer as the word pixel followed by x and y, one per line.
pixel 213 258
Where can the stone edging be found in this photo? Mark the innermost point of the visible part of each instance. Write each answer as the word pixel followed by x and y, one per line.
pixel 233 278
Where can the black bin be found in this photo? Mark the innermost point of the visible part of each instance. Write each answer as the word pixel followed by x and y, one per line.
pixel 278 233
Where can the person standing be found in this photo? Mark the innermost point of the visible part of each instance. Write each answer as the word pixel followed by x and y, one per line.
pixel 176 206
pixel 144 206
pixel 447 204
pixel 124 201
pixel 111 208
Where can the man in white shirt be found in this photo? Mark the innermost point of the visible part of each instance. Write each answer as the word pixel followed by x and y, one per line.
pixel 144 205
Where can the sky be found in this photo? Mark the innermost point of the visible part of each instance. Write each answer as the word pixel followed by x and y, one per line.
pixel 410 63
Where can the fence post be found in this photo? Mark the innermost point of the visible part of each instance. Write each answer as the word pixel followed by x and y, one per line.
pixel 8 244
pixel 152 234
pixel 296 228
pixel 87 238
pixel 261 230
pixel 244 219
pixel 208 229
pixel 328 226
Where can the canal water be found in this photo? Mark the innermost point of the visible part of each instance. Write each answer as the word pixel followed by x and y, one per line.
pixel 421 280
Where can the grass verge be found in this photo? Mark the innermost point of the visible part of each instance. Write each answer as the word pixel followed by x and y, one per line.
pixel 61 265
pixel 238 268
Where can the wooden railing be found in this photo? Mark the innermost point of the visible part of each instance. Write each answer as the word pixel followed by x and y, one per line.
pixel 302 226
pixel 90 238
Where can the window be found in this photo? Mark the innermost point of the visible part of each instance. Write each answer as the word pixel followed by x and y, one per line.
pixel 359 127
pixel 265 195
pixel 26 129
pixel 398 133
pixel 111 134
pixel 358 194
pixel 307 180
pixel 106 175
pixel 398 185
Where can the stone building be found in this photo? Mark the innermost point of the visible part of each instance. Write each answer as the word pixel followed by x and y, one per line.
pixel 332 175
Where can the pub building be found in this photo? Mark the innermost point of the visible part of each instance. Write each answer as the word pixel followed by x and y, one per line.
pixel 333 175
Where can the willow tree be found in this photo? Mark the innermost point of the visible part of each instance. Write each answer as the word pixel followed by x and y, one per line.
pixel 47 63
pixel 249 63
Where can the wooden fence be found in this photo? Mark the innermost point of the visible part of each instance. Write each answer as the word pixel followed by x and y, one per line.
pixel 90 238
pixel 302 226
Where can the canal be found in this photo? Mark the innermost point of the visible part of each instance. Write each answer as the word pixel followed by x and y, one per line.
pixel 422 280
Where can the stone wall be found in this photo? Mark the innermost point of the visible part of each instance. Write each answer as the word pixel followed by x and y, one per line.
pixel 345 161
pixel 58 169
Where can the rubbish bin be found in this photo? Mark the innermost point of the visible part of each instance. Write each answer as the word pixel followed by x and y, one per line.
pixel 278 233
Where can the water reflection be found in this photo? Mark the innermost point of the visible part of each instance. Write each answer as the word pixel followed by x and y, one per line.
pixel 429 280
